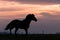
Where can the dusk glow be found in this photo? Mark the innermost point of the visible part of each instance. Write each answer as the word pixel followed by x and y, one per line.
pixel 47 12
pixel 14 8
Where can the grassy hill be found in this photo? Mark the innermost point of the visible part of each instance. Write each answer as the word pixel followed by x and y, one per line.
pixel 30 37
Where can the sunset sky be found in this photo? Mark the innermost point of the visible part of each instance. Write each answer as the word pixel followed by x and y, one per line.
pixel 46 11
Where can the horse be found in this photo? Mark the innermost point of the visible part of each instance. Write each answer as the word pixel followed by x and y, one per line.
pixel 21 24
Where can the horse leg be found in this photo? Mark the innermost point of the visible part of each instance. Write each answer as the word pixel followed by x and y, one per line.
pixel 16 30
pixel 26 31
pixel 10 31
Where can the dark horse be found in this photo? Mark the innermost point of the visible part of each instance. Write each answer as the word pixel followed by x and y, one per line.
pixel 21 24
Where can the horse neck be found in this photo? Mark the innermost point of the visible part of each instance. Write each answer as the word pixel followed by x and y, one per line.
pixel 27 20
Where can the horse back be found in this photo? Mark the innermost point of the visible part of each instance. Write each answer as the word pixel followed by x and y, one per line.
pixel 13 24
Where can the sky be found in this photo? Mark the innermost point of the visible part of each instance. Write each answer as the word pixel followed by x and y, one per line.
pixel 47 13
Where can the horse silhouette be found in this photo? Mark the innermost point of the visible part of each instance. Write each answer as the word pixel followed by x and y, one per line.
pixel 21 24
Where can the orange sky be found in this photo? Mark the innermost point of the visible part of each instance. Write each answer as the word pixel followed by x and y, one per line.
pixel 17 9
pixel 47 13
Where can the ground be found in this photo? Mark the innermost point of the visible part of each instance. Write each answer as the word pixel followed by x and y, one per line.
pixel 30 37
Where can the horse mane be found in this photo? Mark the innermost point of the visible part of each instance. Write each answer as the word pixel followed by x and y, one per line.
pixel 28 16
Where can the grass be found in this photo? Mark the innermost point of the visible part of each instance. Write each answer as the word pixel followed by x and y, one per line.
pixel 30 37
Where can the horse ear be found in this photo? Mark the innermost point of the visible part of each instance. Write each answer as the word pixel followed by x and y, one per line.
pixel 32 14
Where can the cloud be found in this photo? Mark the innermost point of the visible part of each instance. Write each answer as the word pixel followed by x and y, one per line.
pixel 10 9
pixel 46 15
pixel 50 23
pixel 37 1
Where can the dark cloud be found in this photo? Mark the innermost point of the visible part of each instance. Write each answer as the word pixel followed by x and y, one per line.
pixel 37 1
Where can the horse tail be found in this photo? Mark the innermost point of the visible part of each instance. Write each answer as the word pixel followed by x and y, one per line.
pixel 7 27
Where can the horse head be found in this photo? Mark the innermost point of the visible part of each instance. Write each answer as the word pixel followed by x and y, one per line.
pixel 32 17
